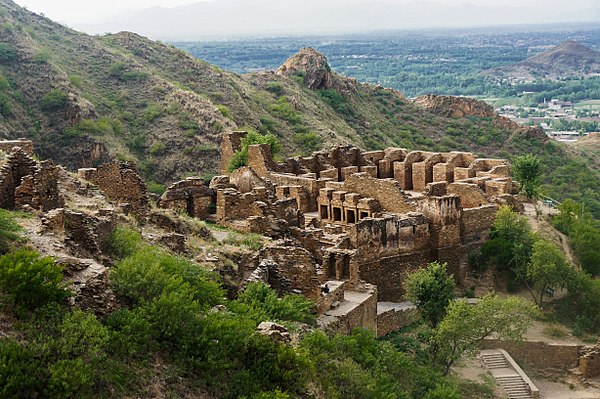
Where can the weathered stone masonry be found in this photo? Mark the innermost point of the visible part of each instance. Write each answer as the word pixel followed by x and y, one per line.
pixel 366 217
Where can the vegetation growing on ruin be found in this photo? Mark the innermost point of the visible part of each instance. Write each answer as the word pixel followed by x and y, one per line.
pixel 168 322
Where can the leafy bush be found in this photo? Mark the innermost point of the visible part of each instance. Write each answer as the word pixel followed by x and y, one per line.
pixel 308 141
pixel 284 110
pixel 275 88
pixel 336 100
pixel 263 304
pixel 510 243
pixel 125 241
pixel 8 229
pixel 76 81
pixel 42 56
pixel 135 76
pixel 153 112
pixel 527 169
pixel 18 374
pixel 5 106
pixel 53 101
pixel 8 53
pixel 252 241
pixel 117 70
pixel 149 274
pixel 240 158
pixel 156 188
pixel 30 280
pixel 99 127
pixel 431 290
pixel 224 110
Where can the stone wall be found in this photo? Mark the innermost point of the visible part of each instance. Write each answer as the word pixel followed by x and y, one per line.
pixel 297 265
pixel 352 312
pixel 87 235
pixel 387 192
pixel 388 274
pixel 589 362
pixel 6 146
pixel 394 316
pixel 190 196
pixel 389 236
pixel 121 182
pixel 539 355
pixel 230 143
pixel 27 183
pixel 475 223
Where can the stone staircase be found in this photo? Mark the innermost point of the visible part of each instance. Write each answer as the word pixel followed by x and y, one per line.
pixel 494 360
pixel 514 386
pixel 509 375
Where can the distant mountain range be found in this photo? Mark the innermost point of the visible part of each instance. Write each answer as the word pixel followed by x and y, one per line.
pixel 568 59
pixel 226 18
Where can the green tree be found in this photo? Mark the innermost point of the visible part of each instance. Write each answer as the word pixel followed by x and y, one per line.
pixel 548 270
pixel 431 290
pixel 583 232
pixel 465 326
pixel 527 169
pixel 510 243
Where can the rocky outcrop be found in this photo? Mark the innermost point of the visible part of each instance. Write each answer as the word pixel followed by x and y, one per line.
pixel 312 65
pixel 275 331
pixel 455 107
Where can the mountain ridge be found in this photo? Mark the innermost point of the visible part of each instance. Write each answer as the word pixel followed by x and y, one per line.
pixel 84 100
pixel 568 59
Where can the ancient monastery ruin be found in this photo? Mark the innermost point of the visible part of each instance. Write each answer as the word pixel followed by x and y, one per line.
pixel 356 221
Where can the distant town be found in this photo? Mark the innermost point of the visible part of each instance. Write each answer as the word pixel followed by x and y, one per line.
pixel 561 120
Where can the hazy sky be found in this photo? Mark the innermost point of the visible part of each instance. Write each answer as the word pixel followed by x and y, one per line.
pixel 81 11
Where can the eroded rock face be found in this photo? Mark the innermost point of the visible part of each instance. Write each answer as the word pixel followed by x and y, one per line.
pixel 455 107
pixel 314 66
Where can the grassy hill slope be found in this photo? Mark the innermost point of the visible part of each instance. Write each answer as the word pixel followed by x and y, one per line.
pixel 84 99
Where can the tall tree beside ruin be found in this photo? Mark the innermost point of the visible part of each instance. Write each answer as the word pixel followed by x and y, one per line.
pixel 431 290
pixel 527 169
pixel 548 270
pixel 465 326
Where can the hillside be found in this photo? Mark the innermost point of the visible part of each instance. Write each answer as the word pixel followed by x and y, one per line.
pixel 569 58
pixel 85 99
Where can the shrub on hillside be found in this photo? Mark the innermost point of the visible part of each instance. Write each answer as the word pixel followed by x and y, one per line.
pixel 240 158
pixel 8 229
pixel 53 101
pixel 31 280
pixel 262 303
pixel 8 53
pixel 125 241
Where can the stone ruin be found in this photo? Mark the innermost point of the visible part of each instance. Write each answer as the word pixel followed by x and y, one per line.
pixel 24 182
pixel 360 221
pixel 121 182
pixel 356 221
